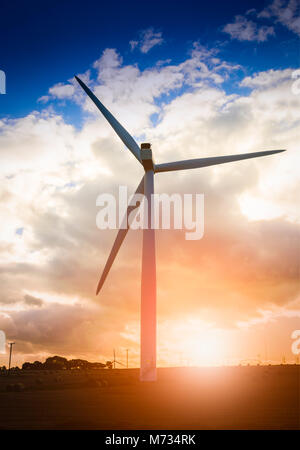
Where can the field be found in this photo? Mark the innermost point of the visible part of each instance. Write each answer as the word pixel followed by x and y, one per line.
pixel 251 397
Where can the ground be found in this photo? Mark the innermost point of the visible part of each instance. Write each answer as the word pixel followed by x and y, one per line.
pixel 251 397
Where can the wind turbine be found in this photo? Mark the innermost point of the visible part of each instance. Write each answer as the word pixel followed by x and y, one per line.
pixel 116 362
pixel 148 283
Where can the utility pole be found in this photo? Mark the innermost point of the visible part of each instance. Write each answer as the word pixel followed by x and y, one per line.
pixel 127 358
pixel 114 366
pixel 10 353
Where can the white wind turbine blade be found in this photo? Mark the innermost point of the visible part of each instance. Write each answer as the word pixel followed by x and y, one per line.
pixel 118 241
pixel 121 364
pixel 204 162
pixel 121 132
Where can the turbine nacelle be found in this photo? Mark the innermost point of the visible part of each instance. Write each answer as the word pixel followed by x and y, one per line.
pixel 146 156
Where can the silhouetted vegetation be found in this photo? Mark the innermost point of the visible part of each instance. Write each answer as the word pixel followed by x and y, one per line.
pixel 60 363
pixel 13 370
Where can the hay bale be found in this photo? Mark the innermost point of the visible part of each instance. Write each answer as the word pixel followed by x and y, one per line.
pixel 15 387
pixel 104 382
pixel 92 383
pixel 19 387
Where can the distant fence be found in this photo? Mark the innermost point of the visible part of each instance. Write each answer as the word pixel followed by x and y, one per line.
pixel 2 82
pixel 250 361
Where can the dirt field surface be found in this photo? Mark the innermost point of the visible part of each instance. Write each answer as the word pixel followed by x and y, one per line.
pixel 256 397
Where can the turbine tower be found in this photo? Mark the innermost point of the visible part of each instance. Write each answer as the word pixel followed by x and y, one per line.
pixel 148 283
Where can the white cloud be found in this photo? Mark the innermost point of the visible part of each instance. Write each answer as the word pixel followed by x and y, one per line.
pixel 268 78
pixel 133 44
pixel 148 39
pixel 243 29
pixel 61 90
pixel 109 60
pixel 287 12
pixel 44 99
pixel 126 86
pixel 65 90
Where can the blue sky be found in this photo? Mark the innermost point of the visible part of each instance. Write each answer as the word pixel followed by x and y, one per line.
pixel 43 43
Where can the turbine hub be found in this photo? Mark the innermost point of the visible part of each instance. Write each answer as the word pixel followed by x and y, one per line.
pixel 146 156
